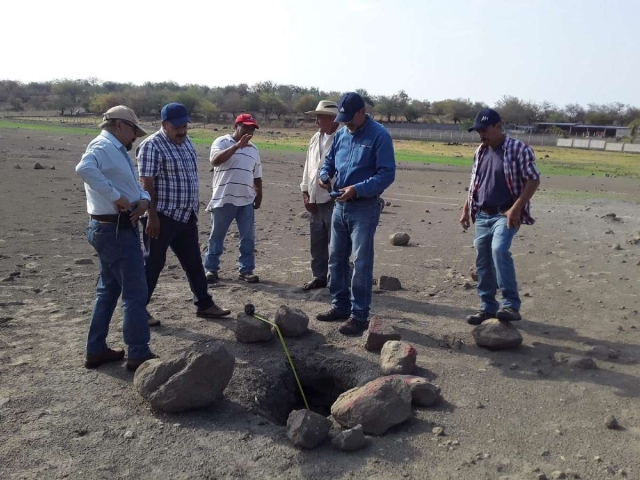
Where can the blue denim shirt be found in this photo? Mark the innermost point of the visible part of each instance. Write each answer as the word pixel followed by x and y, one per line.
pixel 364 159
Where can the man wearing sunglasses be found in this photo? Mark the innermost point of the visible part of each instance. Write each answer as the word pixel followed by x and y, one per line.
pixel 168 166
pixel 504 177
pixel 115 202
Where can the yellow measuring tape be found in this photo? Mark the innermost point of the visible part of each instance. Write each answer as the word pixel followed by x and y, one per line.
pixel 284 346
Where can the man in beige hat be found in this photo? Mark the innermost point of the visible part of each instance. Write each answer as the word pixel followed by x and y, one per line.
pixel 317 201
pixel 115 202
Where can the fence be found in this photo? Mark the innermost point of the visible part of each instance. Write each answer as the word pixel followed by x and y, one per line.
pixel 592 144
pixel 462 136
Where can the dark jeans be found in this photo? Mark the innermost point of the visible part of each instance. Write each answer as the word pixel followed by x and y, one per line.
pixel 183 240
pixel 121 272
pixel 320 230
pixel 353 227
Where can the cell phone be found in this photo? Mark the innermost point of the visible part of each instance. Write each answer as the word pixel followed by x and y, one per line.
pixel 335 194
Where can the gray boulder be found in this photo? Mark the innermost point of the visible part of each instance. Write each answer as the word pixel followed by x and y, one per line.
pixel 307 429
pixel 391 284
pixel 496 335
pixel 195 378
pixel 292 322
pixel 423 393
pixel 378 333
pixel 397 357
pixel 251 330
pixel 377 406
pixel 350 440
pixel 399 239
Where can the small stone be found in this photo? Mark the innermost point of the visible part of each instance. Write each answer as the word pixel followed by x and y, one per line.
pixel 397 358
pixel 83 261
pixel 251 330
pixel 582 363
pixel 558 475
pixel 611 422
pixel 467 286
pixel 598 458
pixel 391 284
pixel 378 333
pixel 129 434
pixel 617 246
pixel 292 322
pixel 438 431
pixel 17 167
pixel 542 476
pixel 496 335
pixel 399 239
pixel 514 366
pixel 8 279
pixel 37 166
pixel 307 429
pixel 350 440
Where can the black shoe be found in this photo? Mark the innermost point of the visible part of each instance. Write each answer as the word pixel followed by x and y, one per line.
pixel 508 314
pixel 353 327
pixel 332 316
pixel 212 277
pixel 479 317
pixel 248 277
pixel 134 363
pixel 109 355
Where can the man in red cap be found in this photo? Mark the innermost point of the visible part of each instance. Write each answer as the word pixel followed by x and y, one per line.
pixel 237 192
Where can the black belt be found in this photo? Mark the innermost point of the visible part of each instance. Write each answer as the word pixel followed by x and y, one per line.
pixel 363 199
pixel 122 220
pixel 495 210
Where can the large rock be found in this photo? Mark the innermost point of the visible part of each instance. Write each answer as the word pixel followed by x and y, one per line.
pixel 497 335
pixel 399 239
pixel 307 429
pixel 377 406
pixel 251 330
pixel 391 284
pixel 292 322
pixel 397 357
pixel 423 393
pixel 194 379
pixel 350 440
pixel 378 333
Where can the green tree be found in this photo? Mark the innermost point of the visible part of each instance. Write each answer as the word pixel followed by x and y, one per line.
pixel 305 103
pixel 104 101
pixel 208 110
pixel 16 103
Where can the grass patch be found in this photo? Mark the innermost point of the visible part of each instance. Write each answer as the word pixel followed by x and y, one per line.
pixel 551 160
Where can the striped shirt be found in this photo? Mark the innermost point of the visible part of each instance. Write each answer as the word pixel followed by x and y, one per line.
pixel 519 166
pixel 233 180
pixel 175 168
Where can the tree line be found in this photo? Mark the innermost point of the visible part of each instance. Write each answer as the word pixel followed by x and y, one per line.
pixel 271 100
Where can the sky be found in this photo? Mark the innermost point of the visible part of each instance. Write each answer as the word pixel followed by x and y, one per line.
pixel 562 51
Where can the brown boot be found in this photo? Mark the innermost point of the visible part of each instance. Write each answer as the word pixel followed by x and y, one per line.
pixel 109 355
pixel 214 311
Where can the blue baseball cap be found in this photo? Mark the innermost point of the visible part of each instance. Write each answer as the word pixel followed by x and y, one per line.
pixel 348 105
pixel 487 117
pixel 176 113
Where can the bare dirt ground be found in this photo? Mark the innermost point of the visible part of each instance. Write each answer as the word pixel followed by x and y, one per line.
pixel 506 415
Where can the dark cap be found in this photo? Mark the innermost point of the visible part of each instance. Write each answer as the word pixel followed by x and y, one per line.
pixel 348 105
pixel 176 114
pixel 487 117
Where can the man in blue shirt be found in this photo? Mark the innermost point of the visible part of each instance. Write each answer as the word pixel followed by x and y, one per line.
pixel 115 202
pixel 363 163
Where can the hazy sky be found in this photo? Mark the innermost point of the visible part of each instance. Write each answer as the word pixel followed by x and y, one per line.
pixel 563 51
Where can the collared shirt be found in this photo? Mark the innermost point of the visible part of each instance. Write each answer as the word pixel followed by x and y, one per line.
pixel 493 190
pixel 108 173
pixel 519 164
pixel 233 181
pixel 364 159
pixel 175 168
pixel 318 146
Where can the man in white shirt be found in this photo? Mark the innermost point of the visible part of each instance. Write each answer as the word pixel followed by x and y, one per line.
pixel 237 192
pixel 115 202
pixel 317 201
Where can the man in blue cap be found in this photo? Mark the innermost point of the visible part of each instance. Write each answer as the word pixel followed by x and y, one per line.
pixel 362 160
pixel 168 167
pixel 504 178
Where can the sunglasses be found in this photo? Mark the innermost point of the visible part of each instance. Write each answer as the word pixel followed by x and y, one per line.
pixel 133 127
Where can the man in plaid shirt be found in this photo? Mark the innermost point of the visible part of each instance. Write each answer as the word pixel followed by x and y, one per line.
pixel 168 167
pixel 504 177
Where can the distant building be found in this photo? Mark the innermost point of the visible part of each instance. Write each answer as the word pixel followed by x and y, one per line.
pixel 583 130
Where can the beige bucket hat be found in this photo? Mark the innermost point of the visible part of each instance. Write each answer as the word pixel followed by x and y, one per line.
pixel 121 112
pixel 325 107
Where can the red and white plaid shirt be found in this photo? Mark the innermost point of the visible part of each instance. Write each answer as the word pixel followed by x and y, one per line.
pixel 519 167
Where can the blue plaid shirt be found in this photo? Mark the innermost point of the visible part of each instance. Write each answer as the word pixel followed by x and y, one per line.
pixel 175 168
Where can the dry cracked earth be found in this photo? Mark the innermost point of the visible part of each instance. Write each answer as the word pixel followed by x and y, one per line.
pixel 507 415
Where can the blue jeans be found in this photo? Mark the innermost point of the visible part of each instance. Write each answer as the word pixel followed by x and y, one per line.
pixel 121 272
pixel 353 227
pixel 494 262
pixel 221 219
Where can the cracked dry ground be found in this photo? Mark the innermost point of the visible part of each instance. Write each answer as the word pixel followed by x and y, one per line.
pixel 508 414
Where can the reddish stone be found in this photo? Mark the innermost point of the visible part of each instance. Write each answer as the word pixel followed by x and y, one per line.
pixel 378 333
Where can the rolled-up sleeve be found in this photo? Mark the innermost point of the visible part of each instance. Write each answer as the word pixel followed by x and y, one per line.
pixel 385 168
pixel 89 170
pixel 529 169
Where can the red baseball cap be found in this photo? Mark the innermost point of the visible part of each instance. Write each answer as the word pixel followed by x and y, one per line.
pixel 247 119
